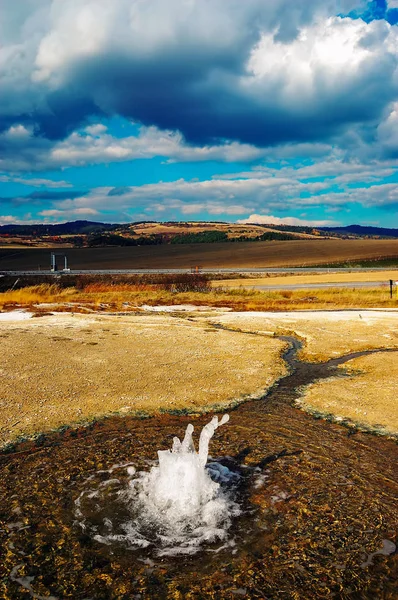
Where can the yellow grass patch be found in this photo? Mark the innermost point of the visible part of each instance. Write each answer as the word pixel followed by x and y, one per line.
pixel 66 368
pixel 63 369
pixel 368 396
pixel 28 296
pixel 233 230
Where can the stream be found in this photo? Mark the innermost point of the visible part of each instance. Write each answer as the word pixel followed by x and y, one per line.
pixel 301 373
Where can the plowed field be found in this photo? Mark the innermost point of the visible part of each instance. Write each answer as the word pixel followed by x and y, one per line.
pixel 293 253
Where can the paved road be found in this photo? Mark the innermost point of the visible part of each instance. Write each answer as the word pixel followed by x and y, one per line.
pixel 317 286
pixel 210 271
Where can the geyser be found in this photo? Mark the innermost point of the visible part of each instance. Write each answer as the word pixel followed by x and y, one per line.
pixel 175 508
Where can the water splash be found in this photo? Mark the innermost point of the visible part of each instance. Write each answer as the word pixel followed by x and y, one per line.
pixel 175 508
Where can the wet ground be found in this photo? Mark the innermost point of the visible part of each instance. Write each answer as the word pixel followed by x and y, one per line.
pixel 319 505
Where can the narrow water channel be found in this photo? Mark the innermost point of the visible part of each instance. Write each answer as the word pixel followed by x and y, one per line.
pixel 301 373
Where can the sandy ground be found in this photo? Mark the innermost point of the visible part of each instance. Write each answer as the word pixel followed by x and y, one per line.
pixel 302 279
pixel 325 334
pixel 63 369
pixel 369 395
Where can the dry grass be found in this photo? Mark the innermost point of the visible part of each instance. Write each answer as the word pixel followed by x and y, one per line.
pixel 118 288
pixel 368 397
pixel 29 296
pixel 127 297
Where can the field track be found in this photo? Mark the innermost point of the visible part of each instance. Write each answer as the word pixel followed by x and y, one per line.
pixel 294 253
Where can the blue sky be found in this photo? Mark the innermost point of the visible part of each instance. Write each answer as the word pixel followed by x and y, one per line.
pixel 199 110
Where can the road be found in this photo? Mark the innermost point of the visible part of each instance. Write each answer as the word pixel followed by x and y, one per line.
pixel 260 270
pixel 317 286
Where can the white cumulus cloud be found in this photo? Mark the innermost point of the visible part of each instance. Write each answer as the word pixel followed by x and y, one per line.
pixel 271 220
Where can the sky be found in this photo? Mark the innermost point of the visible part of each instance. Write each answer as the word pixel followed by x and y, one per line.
pixel 252 111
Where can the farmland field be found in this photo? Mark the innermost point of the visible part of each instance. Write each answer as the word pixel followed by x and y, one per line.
pixel 293 253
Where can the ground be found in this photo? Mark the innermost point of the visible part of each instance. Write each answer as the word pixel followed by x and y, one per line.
pixel 318 499
pixel 368 395
pixel 325 334
pixel 62 369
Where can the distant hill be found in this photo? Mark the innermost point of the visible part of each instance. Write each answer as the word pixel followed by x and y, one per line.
pixel 72 228
pixel 92 233
pixel 349 230
pixel 84 233
pixel 362 231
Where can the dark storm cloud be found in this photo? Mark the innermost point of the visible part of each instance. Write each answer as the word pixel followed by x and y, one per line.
pixel 50 195
pixel 119 191
pixel 222 101
pixel 39 197
pixel 211 72
pixel 66 112
pixel 180 94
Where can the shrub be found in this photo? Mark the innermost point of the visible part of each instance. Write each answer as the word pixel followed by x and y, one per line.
pixel 187 282
pixel 203 237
